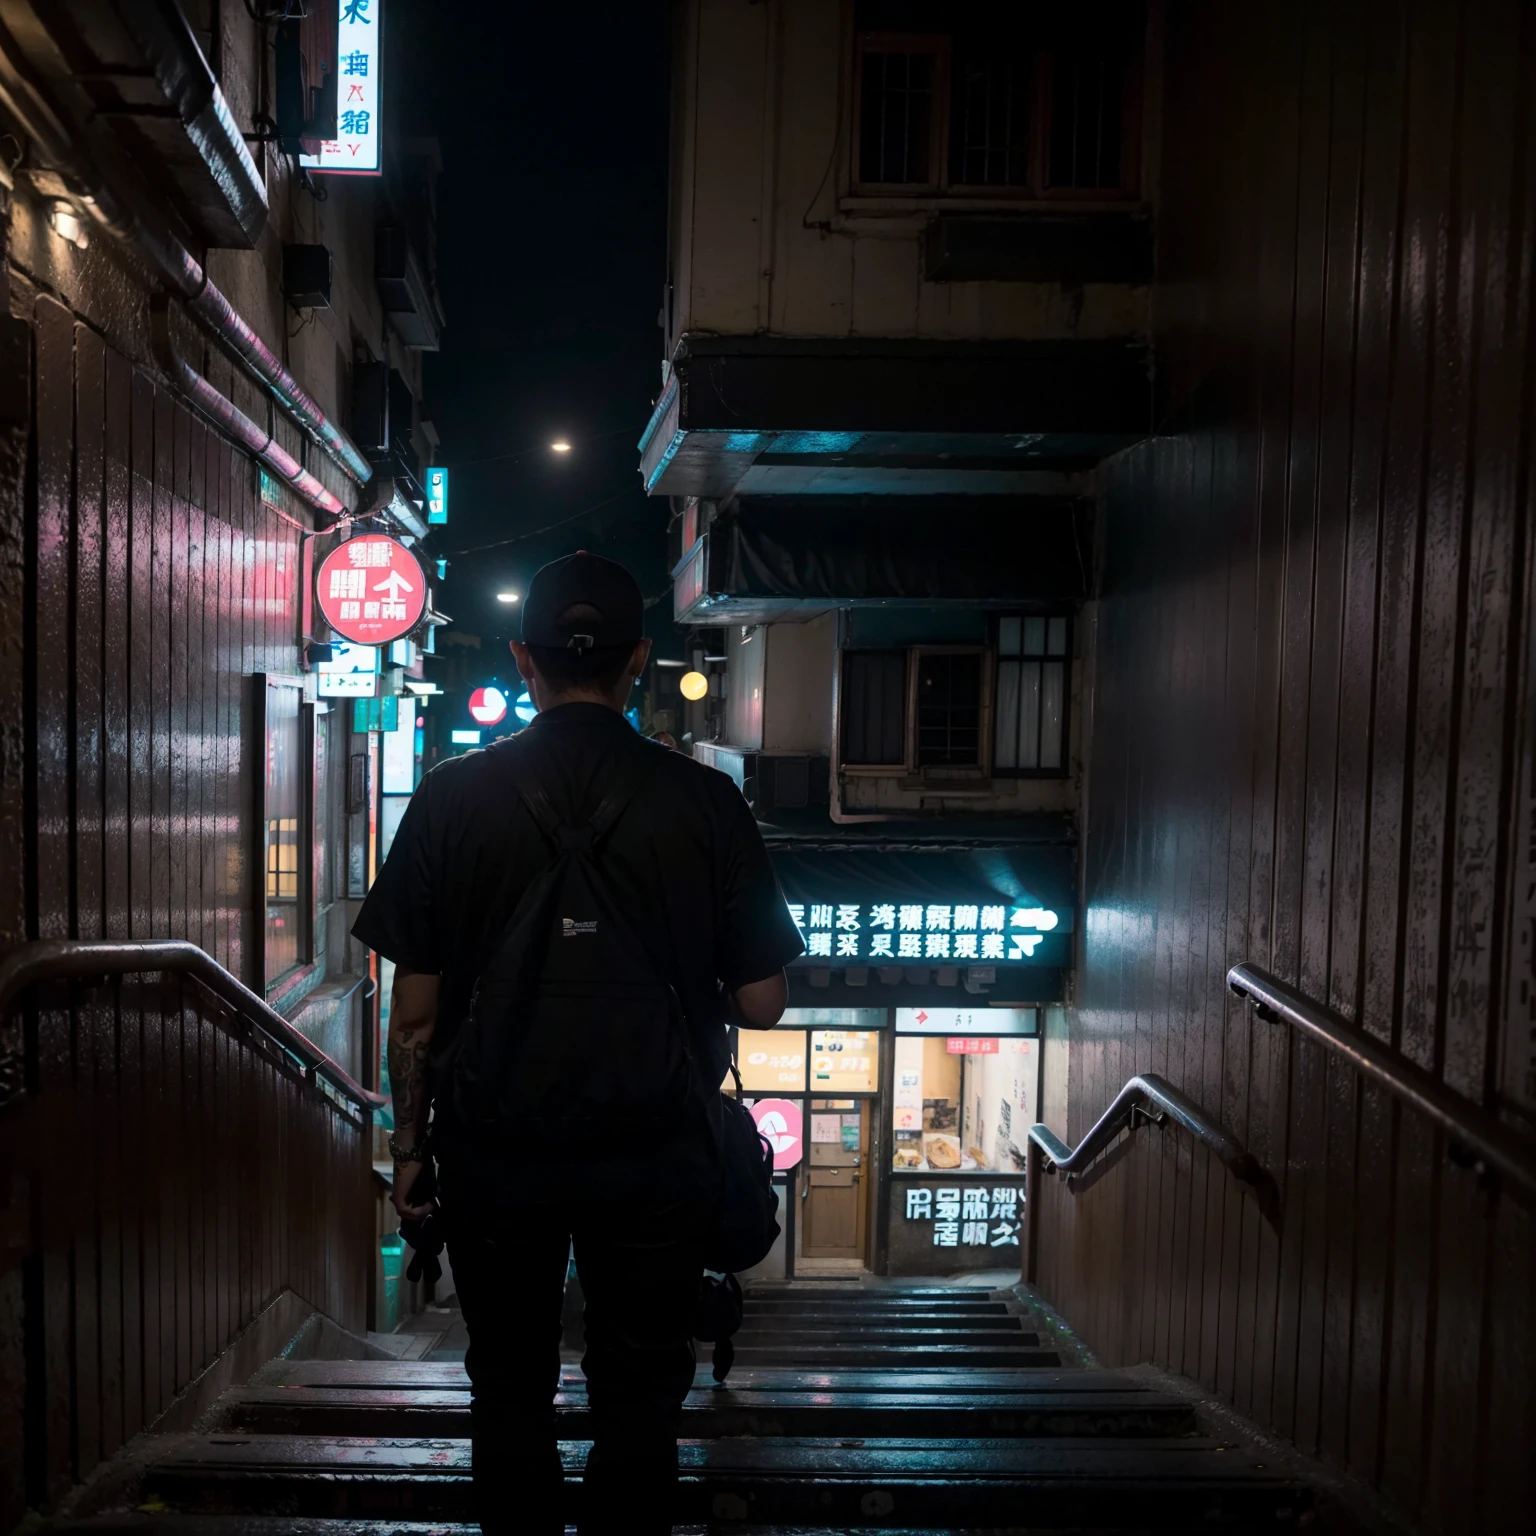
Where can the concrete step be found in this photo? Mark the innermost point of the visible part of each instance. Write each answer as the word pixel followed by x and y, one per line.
pixel 837 1356
pixel 859 1332
pixel 856 1294
pixel 727 1411
pixel 884 1317
pixel 878 1303
pixel 820 1482
pixel 944 1376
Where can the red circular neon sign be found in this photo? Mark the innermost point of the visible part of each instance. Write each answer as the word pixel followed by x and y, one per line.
pixel 488 706
pixel 371 590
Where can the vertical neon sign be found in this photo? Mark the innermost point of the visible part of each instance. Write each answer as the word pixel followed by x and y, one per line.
pixel 359 120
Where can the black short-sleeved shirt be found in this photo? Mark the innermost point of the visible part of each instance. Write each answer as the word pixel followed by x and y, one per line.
pixel 686 855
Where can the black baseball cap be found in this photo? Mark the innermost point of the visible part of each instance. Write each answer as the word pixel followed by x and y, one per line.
pixel 586 581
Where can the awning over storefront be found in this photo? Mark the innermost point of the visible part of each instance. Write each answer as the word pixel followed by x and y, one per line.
pixel 776 557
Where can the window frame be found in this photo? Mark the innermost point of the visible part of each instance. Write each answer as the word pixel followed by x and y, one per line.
pixel 942 189
pixel 1131 108
pixel 982 768
pixel 304 900
pixel 936 44
pixel 1068 660
pixel 905 767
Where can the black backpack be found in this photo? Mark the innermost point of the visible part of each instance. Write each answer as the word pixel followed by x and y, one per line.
pixel 745 1224
pixel 575 1036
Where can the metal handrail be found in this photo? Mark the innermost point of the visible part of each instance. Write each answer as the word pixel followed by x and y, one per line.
pixel 1151 1098
pixel 1475 1136
pixel 1159 1101
pixel 65 959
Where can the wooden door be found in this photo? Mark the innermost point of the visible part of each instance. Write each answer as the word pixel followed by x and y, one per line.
pixel 834 1207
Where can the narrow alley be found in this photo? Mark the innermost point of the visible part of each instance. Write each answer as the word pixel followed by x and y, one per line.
pixel 794 729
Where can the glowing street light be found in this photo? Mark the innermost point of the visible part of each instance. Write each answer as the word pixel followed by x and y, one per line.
pixel 559 446
pixel 506 597
pixel 693 686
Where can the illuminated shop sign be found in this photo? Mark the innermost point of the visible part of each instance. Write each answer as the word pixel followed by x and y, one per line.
pixel 967 1021
pixel 488 706
pixel 437 495
pixel 371 589
pixel 970 1216
pixel 359 63
pixel 889 931
pixel 350 672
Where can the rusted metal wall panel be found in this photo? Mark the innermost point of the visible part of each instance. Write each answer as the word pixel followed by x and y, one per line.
pixel 1308 743
pixel 164 1178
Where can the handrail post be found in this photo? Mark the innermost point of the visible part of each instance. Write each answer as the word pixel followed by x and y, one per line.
pixel 1033 1181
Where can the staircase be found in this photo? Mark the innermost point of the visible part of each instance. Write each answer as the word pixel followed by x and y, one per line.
pixel 848 1408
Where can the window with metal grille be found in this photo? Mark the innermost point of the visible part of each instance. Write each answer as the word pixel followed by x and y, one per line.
pixel 873 731
pixel 949 709
pixel 1034 658
pixel 990 105
pixel 899 78
pixel 961 98
pixel 1088 120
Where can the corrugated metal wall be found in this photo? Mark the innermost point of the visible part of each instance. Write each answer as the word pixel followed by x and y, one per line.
pixel 162 583
pixel 1306 744
pixel 163 1177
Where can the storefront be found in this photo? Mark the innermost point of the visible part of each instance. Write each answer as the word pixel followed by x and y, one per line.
pixel 899 1135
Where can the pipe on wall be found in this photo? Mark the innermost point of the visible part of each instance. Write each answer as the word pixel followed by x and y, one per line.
pixel 172 263
pixel 229 419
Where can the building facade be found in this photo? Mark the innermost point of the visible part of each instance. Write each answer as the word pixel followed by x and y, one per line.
pixel 1097 435
pixel 211 371
pixel 906 317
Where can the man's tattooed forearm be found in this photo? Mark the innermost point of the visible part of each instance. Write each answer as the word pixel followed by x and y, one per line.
pixel 408 1079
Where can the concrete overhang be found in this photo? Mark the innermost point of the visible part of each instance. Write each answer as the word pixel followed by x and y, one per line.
pixel 776 416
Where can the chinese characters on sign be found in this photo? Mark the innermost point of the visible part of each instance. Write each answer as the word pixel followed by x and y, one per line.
pixel 371 590
pixel 885 931
pixel 359 57
pixel 971 1216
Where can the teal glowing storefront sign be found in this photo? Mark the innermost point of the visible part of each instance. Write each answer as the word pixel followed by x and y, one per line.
pixel 947 932
pixel 437 495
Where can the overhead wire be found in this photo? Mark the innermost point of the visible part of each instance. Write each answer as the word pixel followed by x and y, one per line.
pixel 531 533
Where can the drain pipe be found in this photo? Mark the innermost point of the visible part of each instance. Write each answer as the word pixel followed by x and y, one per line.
pixel 187 278
pixel 177 269
pixel 229 419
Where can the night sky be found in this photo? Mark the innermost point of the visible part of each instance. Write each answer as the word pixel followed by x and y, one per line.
pixel 551 260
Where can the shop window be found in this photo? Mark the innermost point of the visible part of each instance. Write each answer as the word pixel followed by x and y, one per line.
pixel 1034 659
pixel 874 708
pixel 949 709
pixel 973 99
pixel 845 1061
pixel 285 819
pixel 962 1103
pixel 771 1061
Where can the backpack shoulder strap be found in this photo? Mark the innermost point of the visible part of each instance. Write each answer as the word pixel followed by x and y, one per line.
pixel 530 791
pixel 635 771
pixel 632 778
